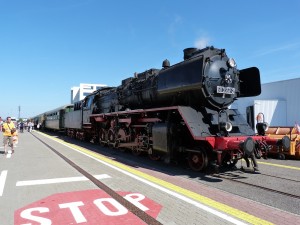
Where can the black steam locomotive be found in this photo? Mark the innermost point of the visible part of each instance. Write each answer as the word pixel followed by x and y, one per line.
pixel 177 112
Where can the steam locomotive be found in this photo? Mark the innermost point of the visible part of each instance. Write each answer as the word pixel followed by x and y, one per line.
pixel 177 112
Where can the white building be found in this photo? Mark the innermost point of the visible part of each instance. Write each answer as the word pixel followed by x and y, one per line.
pixel 279 102
pixel 79 93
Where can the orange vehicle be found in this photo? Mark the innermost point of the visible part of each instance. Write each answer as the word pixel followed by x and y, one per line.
pixel 294 135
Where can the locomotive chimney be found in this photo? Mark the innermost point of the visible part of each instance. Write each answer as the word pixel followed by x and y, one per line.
pixel 188 52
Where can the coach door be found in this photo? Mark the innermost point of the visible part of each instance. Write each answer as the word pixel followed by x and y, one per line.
pixel 61 119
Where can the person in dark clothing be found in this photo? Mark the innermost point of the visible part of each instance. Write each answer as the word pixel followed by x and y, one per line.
pixel 21 127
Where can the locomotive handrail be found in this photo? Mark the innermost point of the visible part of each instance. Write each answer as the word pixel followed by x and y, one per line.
pixel 135 111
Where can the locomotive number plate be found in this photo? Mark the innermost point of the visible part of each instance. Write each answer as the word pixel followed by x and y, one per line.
pixel 225 90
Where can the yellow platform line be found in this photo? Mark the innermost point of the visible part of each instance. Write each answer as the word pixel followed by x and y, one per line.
pixel 281 166
pixel 190 194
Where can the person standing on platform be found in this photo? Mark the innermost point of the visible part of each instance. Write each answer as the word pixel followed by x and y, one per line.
pixel 8 129
pixel 22 127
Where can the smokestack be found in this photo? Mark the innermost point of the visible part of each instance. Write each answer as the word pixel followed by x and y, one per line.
pixel 188 52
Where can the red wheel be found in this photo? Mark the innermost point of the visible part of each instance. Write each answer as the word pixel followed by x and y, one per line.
pixel 198 160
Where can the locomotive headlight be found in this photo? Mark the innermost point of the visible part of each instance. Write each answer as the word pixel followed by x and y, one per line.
pixel 231 63
pixel 226 126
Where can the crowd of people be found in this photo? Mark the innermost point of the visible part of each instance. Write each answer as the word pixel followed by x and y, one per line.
pixel 29 126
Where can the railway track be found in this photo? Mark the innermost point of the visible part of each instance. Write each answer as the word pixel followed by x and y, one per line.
pixel 282 178
pixel 234 179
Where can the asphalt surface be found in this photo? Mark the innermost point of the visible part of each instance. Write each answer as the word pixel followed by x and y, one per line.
pixel 38 187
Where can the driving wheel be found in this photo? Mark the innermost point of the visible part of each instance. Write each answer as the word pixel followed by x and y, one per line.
pixel 198 160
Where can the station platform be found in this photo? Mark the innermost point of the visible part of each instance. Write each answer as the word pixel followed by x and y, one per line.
pixel 38 186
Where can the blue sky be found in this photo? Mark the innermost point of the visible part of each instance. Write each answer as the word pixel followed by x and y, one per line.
pixel 49 46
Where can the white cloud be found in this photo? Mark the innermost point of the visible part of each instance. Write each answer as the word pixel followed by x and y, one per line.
pixel 202 42
pixel 278 49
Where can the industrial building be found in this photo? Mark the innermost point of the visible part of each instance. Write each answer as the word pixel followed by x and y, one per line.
pixel 79 93
pixel 279 102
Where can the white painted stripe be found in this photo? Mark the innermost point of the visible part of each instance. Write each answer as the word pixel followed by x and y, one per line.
pixel 179 196
pixel 58 180
pixel 2 181
pixel 172 193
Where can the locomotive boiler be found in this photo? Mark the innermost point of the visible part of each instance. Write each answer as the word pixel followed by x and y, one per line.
pixel 178 112
pixel 206 78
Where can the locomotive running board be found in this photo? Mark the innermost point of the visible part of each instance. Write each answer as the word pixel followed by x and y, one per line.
pixel 102 117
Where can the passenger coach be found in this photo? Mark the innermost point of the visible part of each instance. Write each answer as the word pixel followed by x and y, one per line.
pixel 55 119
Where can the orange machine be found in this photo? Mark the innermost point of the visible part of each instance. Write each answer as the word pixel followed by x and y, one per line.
pixel 279 133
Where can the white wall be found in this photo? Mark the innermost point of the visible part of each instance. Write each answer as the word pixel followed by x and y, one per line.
pixel 79 93
pixel 74 94
pixel 286 90
pixel 274 111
